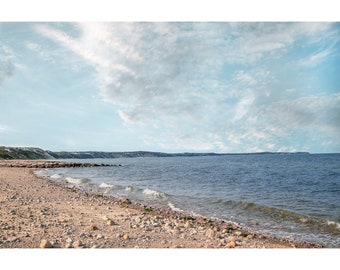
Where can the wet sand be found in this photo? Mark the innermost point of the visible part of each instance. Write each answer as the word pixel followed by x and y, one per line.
pixel 37 213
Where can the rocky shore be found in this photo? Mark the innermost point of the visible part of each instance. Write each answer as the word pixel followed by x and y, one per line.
pixel 36 213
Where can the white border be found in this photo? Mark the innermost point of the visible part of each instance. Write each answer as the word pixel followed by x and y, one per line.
pixel 166 10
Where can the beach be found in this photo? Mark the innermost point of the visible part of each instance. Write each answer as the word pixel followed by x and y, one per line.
pixel 38 213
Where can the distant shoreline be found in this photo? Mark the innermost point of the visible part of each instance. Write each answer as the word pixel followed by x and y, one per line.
pixel 38 153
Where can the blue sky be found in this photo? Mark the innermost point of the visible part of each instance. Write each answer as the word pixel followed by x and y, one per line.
pixel 172 87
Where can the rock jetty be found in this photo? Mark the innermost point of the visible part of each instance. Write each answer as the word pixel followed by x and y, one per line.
pixel 49 164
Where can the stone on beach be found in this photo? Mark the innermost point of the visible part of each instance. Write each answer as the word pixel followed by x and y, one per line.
pixel 93 228
pixel 210 233
pixel 45 244
pixel 110 222
pixel 77 244
pixel 231 244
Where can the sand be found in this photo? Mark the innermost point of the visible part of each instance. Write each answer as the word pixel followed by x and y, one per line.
pixel 37 213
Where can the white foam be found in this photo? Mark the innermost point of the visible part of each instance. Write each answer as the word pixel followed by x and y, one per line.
pixel 129 188
pixel 153 193
pixel 76 181
pixel 56 176
pixel 105 185
pixel 174 208
pixel 333 223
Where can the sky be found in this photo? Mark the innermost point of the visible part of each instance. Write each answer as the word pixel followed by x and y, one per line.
pixel 226 87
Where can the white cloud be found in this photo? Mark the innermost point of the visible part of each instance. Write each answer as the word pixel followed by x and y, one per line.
pixel 168 76
pixel 254 41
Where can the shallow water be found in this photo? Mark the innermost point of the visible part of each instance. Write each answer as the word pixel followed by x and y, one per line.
pixel 292 196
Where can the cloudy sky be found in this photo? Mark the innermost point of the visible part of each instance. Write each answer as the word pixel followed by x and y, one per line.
pixel 171 87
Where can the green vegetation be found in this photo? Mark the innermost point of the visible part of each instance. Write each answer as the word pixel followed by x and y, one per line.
pixel 23 153
pixel 148 209
pixel 188 218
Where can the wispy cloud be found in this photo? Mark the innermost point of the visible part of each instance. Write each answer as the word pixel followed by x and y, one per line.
pixel 315 58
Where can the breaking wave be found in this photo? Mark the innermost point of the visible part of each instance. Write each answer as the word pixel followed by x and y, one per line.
pixel 77 181
pixel 153 193
pixel 174 208
pixel 105 185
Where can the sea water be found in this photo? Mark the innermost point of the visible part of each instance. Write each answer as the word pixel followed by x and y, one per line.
pixel 295 196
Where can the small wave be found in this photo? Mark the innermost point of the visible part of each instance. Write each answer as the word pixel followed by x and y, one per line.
pixel 153 193
pixel 105 185
pixel 174 208
pixel 129 188
pixel 281 216
pixel 77 181
pixel 56 176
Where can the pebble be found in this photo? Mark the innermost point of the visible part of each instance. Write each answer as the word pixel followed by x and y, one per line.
pixel 45 244
pixel 126 237
pixel 77 244
pixel 13 239
pixel 110 222
pixel 187 225
pixel 68 245
pixel 93 228
pixel 238 233
pixel 231 244
pixel 175 231
pixel 138 220
pixel 193 232
pixel 223 241
pixel 210 233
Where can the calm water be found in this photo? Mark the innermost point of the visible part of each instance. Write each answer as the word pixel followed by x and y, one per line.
pixel 293 196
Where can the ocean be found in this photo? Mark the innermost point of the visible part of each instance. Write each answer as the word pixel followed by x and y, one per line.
pixel 295 196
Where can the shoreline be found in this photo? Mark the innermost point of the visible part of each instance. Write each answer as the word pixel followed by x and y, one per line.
pixel 36 212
